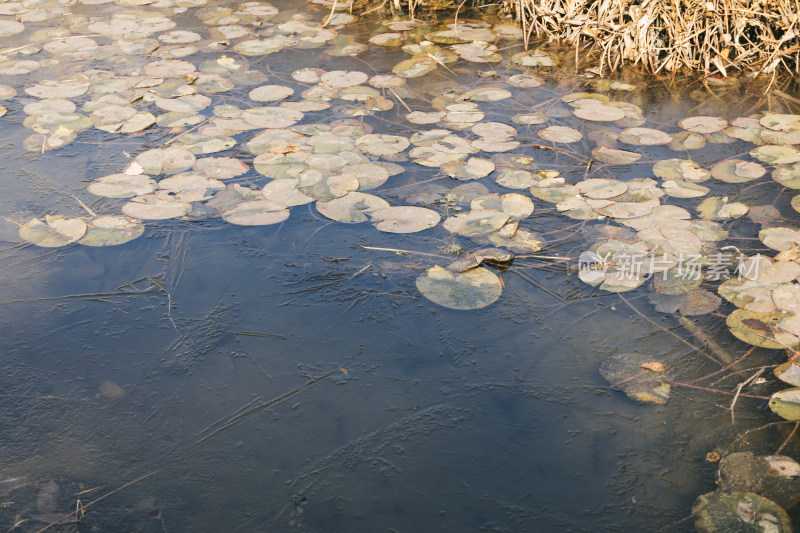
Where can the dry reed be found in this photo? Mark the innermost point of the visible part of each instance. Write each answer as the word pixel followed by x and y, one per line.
pixel 719 37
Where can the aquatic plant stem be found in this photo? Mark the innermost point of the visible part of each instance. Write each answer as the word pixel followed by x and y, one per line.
pixel 783 445
pixel 82 508
pixel 739 388
pixel 687 343
pixel 717 391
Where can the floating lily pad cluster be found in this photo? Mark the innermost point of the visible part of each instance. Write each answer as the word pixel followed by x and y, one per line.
pixel 306 149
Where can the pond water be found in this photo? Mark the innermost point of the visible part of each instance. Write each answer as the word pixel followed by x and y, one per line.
pixel 290 376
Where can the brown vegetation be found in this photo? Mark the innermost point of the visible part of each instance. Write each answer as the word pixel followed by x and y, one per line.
pixel 713 37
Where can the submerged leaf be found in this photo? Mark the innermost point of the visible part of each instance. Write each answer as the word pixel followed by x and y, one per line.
pixel 634 374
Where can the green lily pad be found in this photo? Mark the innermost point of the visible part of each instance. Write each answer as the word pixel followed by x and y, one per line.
pixel 54 231
pixel 472 289
pixel 786 404
pixel 640 376
pixel 759 329
pixel 739 512
pixel 776 477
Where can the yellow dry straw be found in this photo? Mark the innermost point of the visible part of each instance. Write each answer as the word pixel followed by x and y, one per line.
pixel 713 37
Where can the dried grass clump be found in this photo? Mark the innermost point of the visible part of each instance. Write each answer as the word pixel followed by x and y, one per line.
pixel 713 36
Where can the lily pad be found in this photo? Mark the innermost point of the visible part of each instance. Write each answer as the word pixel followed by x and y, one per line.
pixel 405 219
pixel 788 175
pixel 644 137
pixel 352 208
pixel 776 154
pixel 270 93
pixel 54 231
pixel 378 144
pixel 739 512
pixel 737 171
pixel 415 67
pixel 472 289
pixel 560 134
pixel 786 404
pixel 111 231
pixel 776 477
pixel 156 207
pixel 476 222
pixel 788 372
pixel 684 189
pixel 165 160
pixel 122 186
pixel 615 156
pixel 601 187
pixel 680 169
pixel 759 329
pixel 471 169
pixel 703 124
pixel 256 213
pixel 599 112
